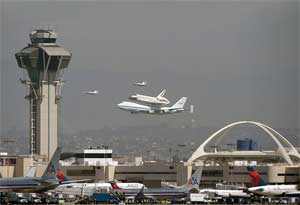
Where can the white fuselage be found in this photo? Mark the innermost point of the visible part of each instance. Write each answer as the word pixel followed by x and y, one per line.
pixel 144 83
pixel 136 108
pixel 131 185
pixel 27 184
pixel 150 100
pixel 93 92
pixel 81 188
pixel 90 188
pixel 273 190
pixel 225 193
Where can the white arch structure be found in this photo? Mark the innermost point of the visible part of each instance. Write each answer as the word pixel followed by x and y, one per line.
pixel 275 136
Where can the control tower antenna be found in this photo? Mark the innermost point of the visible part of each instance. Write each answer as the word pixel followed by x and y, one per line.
pixel 44 61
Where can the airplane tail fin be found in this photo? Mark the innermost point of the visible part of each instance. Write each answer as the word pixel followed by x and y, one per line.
pixel 255 178
pixel 30 172
pixel 140 195
pixel 51 170
pixel 114 185
pixel 180 103
pixel 61 177
pixel 161 94
pixel 194 181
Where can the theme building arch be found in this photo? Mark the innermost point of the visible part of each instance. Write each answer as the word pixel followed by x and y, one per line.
pixel 275 136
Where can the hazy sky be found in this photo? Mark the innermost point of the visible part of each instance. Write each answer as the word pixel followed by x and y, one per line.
pixel 234 60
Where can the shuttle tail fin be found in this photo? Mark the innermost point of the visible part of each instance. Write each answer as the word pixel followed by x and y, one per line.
pixel 161 94
pixel 255 178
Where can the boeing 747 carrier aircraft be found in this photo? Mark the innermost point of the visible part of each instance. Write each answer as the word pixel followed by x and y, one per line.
pixel 138 108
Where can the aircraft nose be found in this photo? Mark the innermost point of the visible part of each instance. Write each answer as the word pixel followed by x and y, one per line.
pixel 121 105
pixel 133 97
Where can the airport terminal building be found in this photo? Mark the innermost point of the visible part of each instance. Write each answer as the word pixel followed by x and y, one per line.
pixel 152 173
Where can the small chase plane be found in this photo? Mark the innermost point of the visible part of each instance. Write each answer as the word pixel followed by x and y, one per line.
pixel 91 92
pixel 144 83
pixel 138 108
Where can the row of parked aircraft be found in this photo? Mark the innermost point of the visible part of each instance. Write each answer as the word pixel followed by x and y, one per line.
pixel 259 187
pixel 134 191
pixel 54 179
pixel 139 191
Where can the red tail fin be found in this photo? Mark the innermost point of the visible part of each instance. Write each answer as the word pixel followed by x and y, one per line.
pixel 255 179
pixel 60 175
pixel 114 185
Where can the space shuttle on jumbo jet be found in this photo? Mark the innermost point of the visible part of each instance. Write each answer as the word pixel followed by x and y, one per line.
pixel 139 108
pixel 158 100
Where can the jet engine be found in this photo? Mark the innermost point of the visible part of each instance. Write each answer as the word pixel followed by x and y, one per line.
pixel 165 110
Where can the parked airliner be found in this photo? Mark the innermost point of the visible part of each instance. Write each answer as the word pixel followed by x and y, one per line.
pixel 88 189
pixel 259 186
pixel 225 192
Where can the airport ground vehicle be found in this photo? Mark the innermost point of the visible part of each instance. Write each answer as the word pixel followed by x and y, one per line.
pixel 105 198
pixel 198 198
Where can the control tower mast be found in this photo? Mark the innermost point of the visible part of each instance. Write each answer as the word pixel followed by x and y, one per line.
pixel 44 61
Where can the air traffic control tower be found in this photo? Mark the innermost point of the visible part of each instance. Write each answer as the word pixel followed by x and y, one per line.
pixel 45 62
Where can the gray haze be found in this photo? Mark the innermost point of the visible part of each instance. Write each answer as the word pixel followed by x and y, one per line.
pixel 234 60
